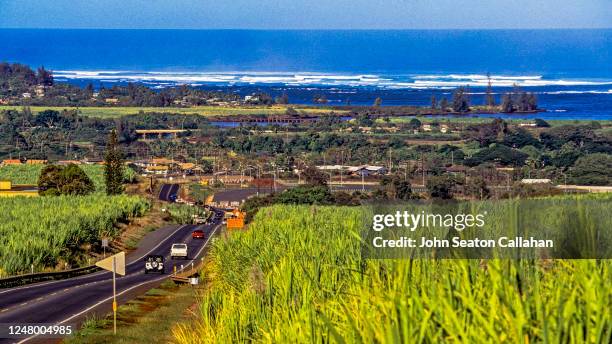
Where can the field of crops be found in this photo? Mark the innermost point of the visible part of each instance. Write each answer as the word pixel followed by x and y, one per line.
pixel 297 275
pixel 113 112
pixel 48 231
pixel 28 174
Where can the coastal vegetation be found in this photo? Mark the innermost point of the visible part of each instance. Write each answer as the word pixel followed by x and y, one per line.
pixel 20 85
pixel 298 275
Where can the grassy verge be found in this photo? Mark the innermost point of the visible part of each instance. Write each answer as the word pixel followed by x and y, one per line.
pixel 146 319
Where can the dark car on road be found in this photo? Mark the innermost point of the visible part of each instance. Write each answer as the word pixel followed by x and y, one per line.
pixel 154 263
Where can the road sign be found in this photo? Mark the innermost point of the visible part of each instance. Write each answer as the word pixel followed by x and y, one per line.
pixel 104 246
pixel 119 259
pixel 116 264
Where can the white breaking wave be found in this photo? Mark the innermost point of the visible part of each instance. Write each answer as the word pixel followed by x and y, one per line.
pixel 580 92
pixel 446 81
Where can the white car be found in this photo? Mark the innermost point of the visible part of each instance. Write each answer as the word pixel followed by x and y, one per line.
pixel 178 251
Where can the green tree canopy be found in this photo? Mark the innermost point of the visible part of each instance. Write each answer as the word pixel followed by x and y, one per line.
pixel 64 180
pixel 593 169
pixel 314 176
pixel 113 168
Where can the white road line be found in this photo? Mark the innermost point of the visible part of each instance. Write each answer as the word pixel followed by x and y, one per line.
pixel 158 245
pixel 96 305
pixel 119 294
pixel 90 283
pixel 89 275
pixel 206 242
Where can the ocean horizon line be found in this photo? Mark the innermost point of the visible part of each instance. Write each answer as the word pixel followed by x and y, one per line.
pixel 309 29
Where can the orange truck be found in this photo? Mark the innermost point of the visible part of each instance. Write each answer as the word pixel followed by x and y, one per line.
pixel 236 221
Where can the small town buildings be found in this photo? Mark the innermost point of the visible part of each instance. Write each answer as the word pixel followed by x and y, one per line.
pixel 40 91
pixel 157 170
pixel 226 179
pixel 36 162
pixel 368 170
pixel 536 181
pixel 11 162
pixel 364 170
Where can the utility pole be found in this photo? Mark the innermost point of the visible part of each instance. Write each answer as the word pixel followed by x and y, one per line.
pixel 258 179
pixel 362 182
pixel 341 165
pixel 423 168
pixel 114 295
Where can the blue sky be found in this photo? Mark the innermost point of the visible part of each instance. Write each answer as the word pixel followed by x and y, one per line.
pixel 306 14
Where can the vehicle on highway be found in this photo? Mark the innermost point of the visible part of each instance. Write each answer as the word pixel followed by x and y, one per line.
pixel 198 220
pixel 178 251
pixel 154 263
pixel 198 234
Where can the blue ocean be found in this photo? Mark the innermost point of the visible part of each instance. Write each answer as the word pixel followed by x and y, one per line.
pixel 569 70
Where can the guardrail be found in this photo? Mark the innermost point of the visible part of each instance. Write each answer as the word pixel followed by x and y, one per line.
pixel 16 281
pixel 182 275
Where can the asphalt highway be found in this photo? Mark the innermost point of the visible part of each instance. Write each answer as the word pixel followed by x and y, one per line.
pixel 168 192
pixel 72 300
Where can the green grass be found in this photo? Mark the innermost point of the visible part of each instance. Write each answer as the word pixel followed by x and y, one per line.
pixel 28 174
pixel 147 319
pixel 114 112
pixel 200 192
pixel 297 275
pixel 183 213
pixel 49 231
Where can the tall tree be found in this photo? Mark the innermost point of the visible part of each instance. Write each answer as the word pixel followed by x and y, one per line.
pixel 444 104
pixel 507 103
pixel 377 102
pixel 314 176
pixel 490 98
pixel 461 100
pixel 113 168
pixel 44 77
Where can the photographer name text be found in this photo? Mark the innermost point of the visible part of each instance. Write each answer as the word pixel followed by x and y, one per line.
pixel 458 242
